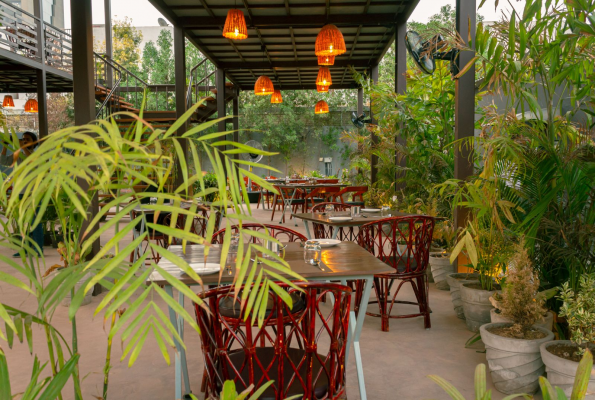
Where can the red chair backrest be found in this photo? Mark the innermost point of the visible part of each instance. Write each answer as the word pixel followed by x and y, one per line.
pixel 328 181
pixel 338 206
pixel 199 222
pixel 303 351
pixel 356 190
pixel 281 233
pixel 401 242
pixel 322 231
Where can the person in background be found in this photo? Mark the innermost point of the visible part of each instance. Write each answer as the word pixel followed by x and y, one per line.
pixel 27 143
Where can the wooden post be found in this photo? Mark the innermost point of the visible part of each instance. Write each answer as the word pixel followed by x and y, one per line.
pixel 180 83
pixel 464 101
pixel 374 160
pixel 400 88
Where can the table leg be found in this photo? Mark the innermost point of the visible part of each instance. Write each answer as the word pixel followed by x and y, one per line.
pixel 286 203
pixel 181 366
pixel 308 235
pixel 355 331
pixel 139 248
pixel 335 231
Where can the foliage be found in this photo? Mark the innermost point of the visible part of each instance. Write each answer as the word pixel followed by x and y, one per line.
pixel 157 59
pixel 578 308
pixel 579 390
pixel 126 40
pixel 60 111
pixel 520 300
pixel 546 160
pixel 209 180
pixel 97 158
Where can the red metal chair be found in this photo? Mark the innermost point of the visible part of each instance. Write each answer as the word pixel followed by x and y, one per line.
pixel 358 191
pixel 322 231
pixel 281 233
pixel 199 222
pixel 233 349
pixel 320 194
pixel 404 244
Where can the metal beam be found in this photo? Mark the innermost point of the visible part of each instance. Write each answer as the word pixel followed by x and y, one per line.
pixel 236 119
pixel 180 80
pixel 220 85
pixel 107 9
pixel 82 61
pixel 286 6
pixel 42 103
pixel 374 160
pixel 465 100
pixel 293 64
pixel 306 86
pixel 360 101
pixel 295 20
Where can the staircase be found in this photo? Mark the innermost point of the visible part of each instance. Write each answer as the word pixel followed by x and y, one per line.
pixel 128 89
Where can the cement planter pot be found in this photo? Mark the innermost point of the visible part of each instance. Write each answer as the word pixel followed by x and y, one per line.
pixel 561 372
pixel 547 322
pixel 454 281
pixel 441 267
pixel 515 364
pixel 476 305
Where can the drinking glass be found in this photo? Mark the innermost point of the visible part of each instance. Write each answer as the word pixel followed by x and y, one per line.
pixel 274 247
pixel 199 201
pixel 287 180
pixel 329 209
pixel 153 200
pixel 385 211
pixel 312 252
pixel 355 211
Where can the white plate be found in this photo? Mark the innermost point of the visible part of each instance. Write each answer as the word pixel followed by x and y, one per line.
pixel 370 210
pixel 327 242
pixel 205 269
pixel 340 219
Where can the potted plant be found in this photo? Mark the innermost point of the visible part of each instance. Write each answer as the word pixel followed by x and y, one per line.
pixel 561 357
pixel 512 348
pixel 440 264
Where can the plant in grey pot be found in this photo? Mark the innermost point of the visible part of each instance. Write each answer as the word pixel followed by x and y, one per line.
pixel 561 357
pixel 455 280
pixel 512 348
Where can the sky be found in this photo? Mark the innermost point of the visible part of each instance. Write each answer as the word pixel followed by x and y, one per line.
pixel 149 15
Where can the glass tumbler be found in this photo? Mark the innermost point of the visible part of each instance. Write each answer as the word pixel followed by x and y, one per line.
pixel 329 209
pixel 385 211
pixel 312 252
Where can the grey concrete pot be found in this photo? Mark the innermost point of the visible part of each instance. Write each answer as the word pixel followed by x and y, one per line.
pixel 454 281
pixel 546 322
pixel 440 267
pixel 476 306
pixel 515 364
pixel 561 372
pixel 88 296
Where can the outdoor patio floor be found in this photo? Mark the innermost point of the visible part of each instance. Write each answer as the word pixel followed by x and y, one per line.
pixel 396 363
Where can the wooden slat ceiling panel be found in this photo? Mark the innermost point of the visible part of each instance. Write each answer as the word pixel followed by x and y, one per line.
pixel 287 29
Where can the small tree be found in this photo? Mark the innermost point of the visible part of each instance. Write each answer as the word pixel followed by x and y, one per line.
pixel 579 310
pixel 520 300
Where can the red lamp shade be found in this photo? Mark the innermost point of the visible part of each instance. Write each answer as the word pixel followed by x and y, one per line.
pixel 263 86
pixel 326 60
pixel 276 97
pixel 324 77
pixel 8 102
pixel 330 42
pixel 31 106
pixel 235 25
pixel 321 107
pixel 321 89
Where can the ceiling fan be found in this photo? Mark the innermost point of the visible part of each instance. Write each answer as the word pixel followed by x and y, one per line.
pixel 426 52
pixel 360 121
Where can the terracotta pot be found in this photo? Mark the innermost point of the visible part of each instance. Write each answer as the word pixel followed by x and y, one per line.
pixel 476 306
pixel 441 267
pixel 515 364
pixel 455 280
pixel 546 322
pixel 561 372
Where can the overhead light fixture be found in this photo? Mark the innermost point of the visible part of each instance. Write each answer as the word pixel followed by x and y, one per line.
pixel 235 25
pixel 8 102
pixel 321 107
pixel 31 106
pixel 326 60
pixel 324 77
pixel 264 86
pixel 276 97
pixel 321 89
pixel 330 42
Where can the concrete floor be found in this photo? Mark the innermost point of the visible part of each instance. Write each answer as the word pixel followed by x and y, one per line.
pixel 396 363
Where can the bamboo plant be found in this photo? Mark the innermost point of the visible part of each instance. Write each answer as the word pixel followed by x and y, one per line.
pixel 82 162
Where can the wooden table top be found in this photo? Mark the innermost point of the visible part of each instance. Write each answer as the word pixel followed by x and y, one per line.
pixel 310 185
pixel 346 260
pixel 364 218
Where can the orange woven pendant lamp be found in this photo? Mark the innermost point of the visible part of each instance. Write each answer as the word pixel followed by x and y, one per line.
pixel 235 25
pixel 330 42
pixel 276 97
pixel 8 102
pixel 326 60
pixel 31 106
pixel 321 89
pixel 321 107
pixel 324 77
pixel 263 86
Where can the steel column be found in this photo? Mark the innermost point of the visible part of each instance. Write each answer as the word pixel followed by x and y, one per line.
pixel 374 160
pixel 42 103
pixel 465 99
pixel 107 7
pixel 180 81
pixel 400 88
pixel 360 101
pixel 236 119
